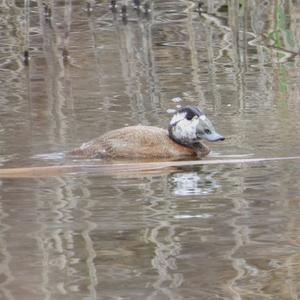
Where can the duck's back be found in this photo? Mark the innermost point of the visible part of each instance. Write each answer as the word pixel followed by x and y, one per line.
pixel 134 141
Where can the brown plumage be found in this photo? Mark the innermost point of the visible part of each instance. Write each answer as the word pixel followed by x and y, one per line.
pixel 138 142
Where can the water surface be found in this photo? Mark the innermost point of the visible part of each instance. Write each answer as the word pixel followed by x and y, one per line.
pixel 201 232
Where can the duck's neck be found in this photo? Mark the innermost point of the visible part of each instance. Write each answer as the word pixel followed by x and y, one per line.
pixel 200 148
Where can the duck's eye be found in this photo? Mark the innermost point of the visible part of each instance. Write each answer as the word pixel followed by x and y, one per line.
pixel 207 131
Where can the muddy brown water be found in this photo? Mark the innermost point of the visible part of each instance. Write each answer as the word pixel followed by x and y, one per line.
pixel 215 231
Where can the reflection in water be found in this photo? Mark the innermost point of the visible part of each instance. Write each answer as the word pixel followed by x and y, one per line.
pixel 6 273
pixel 167 247
pixel 58 240
pixel 190 183
pixel 215 232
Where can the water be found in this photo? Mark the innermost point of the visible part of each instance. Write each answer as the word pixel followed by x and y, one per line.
pixel 227 231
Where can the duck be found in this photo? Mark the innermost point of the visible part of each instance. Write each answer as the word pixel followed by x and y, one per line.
pixel 188 127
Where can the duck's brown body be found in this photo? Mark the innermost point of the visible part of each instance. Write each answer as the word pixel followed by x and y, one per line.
pixel 137 142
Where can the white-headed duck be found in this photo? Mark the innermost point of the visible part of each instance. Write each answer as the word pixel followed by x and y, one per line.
pixel 188 127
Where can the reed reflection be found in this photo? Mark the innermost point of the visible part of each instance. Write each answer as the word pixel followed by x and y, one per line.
pixel 67 268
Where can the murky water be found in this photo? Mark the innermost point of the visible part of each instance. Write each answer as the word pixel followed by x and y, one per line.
pixel 206 232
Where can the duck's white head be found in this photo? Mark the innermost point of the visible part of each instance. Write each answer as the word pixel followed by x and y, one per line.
pixel 189 125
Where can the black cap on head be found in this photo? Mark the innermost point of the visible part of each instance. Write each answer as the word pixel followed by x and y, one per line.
pixel 191 112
